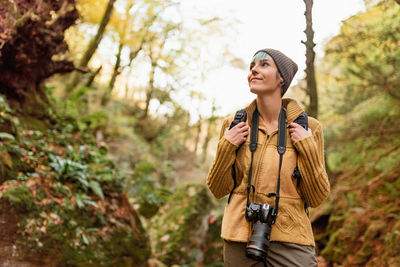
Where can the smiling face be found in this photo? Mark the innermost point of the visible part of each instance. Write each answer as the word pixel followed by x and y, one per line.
pixel 263 75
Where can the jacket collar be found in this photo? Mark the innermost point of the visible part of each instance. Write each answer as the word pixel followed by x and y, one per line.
pixel 293 110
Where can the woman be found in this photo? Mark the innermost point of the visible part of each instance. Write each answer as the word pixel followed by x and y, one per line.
pixel 271 172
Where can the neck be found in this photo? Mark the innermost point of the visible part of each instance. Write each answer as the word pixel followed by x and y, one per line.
pixel 269 107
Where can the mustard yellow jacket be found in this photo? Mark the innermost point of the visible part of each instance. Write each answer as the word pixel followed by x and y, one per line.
pixel 292 223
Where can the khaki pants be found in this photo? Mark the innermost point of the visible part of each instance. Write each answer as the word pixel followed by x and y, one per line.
pixel 279 254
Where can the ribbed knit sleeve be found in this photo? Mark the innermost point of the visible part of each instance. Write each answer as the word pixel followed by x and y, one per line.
pixel 219 179
pixel 314 185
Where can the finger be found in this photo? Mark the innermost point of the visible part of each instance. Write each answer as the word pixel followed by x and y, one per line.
pixel 244 129
pixel 294 125
pixel 240 124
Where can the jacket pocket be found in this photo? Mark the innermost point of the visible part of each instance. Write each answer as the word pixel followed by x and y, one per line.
pixel 285 220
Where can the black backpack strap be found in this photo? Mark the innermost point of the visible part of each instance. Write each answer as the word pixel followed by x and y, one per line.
pixel 281 150
pixel 303 121
pixel 240 116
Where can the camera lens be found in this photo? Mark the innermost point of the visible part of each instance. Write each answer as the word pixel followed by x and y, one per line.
pixel 256 254
pixel 258 244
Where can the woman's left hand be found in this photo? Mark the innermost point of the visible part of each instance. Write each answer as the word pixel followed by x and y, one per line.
pixel 297 132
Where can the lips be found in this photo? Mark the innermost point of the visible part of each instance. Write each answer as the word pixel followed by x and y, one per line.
pixel 255 79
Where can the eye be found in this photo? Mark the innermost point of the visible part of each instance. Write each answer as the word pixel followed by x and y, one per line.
pixel 251 66
pixel 264 64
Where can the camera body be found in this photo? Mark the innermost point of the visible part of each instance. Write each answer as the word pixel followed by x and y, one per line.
pixel 262 216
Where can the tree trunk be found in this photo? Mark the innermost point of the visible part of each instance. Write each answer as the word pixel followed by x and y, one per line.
pixel 107 95
pixel 197 141
pixel 94 43
pixel 150 90
pixel 133 54
pixel 311 89
pixel 211 122
pixel 27 49
pixel 206 142
pixel 93 76
pixel 117 70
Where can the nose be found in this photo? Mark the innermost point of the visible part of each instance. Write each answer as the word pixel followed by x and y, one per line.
pixel 254 70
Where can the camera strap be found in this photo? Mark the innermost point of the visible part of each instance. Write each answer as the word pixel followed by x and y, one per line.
pixel 253 147
pixel 281 150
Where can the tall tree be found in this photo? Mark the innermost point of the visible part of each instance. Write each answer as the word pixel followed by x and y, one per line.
pixel 133 28
pixel 92 47
pixel 311 84
pixel 117 70
pixel 161 61
pixel 210 130
pixel 134 41
pixel 198 132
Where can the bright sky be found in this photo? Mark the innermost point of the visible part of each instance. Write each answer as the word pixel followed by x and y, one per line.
pixel 255 24
pixel 264 23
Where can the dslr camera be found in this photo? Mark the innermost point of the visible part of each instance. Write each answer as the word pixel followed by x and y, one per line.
pixel 262 216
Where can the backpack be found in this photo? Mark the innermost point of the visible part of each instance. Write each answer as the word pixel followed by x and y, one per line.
pixel 241 116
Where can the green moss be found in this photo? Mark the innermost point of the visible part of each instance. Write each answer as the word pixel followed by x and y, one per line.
pixel 19 196
pixel 366 250
pixel 70 217
pixel 128 251
pixel 178 230
pixel 332 251
pixel 392 241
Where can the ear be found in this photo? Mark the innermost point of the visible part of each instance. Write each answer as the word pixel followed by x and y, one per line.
pixel 282 82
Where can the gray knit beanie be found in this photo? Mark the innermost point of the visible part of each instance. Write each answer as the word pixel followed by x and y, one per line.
pixel 286 67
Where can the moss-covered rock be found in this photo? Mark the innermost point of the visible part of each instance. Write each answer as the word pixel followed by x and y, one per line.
pixel 178 231
pixel 70 200
pixel 19 196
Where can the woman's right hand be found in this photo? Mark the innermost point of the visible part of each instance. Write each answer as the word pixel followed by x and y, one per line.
pixel 238 134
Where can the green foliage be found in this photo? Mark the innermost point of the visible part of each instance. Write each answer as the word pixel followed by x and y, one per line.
pixel 363 220
pixel 4 107
pixel 362 136
pixel 364 56
pixel 179 228
pixel 213 242
pixel 6 136
pixel 369 129
pixel 94 121
pixel 148 192
pixel 19 196
pixel 72 199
